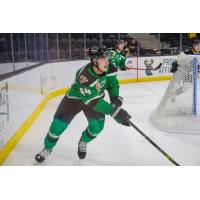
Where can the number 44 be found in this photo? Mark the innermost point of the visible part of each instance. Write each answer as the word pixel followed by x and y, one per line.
pixel 84 91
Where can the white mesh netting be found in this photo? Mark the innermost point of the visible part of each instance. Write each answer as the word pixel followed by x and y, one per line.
pixel 179 109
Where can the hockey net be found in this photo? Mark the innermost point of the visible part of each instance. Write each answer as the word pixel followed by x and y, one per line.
pixel 179 109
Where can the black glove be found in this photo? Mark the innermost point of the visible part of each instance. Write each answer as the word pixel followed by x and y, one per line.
pixel 116 101
pixel 174 67
pixel 121 116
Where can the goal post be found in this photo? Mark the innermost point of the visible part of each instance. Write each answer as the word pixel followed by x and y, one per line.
pixel 179 109
pixel 195 78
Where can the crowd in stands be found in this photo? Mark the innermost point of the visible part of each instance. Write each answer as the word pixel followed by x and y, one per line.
pixel 173 39
pixel 79 41
pixel 65 46
pixel 30 49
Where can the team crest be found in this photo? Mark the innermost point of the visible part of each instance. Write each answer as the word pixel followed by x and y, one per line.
pixel 98 86
pixel 82 79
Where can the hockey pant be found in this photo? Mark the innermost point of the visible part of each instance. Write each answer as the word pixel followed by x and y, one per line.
pixel 67 110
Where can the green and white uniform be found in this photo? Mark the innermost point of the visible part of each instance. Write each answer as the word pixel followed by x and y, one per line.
pixel 90 87
pixel 86 94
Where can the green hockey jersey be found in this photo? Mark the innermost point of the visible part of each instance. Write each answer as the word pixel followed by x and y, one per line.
pixel 122 53
pixel 117 59
pixel 90 87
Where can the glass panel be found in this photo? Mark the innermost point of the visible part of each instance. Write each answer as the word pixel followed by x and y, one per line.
pixel 31 49
pixel 170 43
pixel 92 39
pixel 186 42
pixel 6 63
pixel 44 38
pixel 109 39
pixel 77 46
pixel 52 44
pixel 63 46
pixel 19 50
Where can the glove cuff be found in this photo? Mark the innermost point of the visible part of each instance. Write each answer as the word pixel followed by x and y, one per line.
pixel 116 100
pixel 115 111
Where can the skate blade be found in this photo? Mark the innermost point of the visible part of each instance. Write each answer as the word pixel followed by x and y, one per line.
pixel 36 163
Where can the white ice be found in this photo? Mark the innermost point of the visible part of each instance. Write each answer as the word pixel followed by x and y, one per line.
pixel 117 144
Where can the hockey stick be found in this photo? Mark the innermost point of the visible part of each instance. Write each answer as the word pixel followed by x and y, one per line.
pixel 156 68
pixel 154 144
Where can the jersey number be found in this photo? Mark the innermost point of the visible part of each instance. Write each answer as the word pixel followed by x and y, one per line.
pixel 84 91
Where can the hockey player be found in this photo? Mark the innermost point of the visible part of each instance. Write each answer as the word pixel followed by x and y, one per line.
pixel 120 45
pixel 87 94
pixel 117 56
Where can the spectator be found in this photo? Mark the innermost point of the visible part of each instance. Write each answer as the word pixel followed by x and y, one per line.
pixel 132 46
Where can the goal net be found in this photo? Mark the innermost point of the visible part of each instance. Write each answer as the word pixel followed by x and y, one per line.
pixel 179 109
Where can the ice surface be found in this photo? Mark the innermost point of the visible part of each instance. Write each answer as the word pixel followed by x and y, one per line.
pixel 117 144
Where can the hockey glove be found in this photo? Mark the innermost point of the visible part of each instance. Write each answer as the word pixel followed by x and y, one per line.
pixel 174 67
pixel 116 101
pixel 121 116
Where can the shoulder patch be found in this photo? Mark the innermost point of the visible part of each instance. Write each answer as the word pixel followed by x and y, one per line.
pixel 85 78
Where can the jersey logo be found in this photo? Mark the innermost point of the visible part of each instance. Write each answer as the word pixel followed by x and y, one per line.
pixel 98 86
pixel 103 83
pixel 83 79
